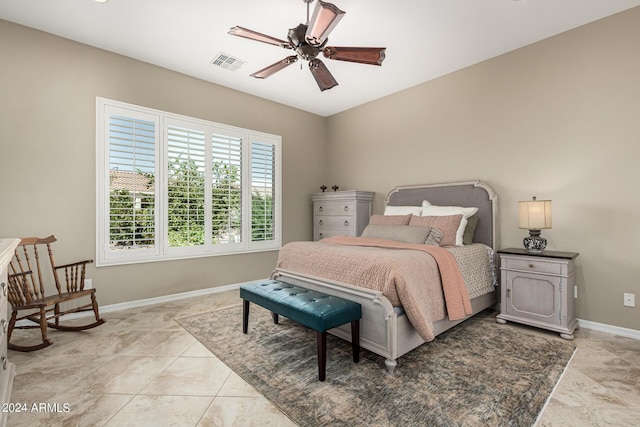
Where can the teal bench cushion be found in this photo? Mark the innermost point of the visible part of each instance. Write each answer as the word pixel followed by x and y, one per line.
pixel 312 309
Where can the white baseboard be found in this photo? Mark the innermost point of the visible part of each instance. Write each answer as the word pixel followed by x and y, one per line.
pixel 610 329
pixel 167 298
pixel 150 301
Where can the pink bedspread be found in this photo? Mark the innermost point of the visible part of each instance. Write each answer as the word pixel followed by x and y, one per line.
pixel 423 279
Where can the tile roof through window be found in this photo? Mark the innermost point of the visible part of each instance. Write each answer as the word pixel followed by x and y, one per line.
pixel 131 181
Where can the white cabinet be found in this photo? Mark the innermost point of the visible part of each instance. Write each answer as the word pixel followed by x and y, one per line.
pixel 341 213
pixel 7 369
pixel 538 289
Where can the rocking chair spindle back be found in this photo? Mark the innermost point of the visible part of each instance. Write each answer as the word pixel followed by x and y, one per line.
pixel 31 299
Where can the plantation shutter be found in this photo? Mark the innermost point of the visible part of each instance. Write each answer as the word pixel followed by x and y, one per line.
pixel 226 188
pixel 132 174
pixel 186 183
pixel 262 191
pixel 174 187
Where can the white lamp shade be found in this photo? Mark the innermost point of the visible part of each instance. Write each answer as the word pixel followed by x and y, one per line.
pixel 534 214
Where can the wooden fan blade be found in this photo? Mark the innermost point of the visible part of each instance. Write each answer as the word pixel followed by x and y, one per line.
pixel 322 75
pixel 361 55
pixel 274 68
pixel 254 35
pixel 324 19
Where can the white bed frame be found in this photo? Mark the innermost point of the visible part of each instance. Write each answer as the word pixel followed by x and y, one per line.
pixel 382 330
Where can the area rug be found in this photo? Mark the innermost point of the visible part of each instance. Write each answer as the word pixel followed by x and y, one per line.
pixel 478 373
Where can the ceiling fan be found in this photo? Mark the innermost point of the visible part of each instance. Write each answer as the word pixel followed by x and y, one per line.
pixel 308 40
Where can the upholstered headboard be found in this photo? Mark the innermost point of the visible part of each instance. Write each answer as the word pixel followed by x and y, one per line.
pixel 468 194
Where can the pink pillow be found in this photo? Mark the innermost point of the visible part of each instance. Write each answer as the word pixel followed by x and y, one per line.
pixel 390 219
pixel 447 224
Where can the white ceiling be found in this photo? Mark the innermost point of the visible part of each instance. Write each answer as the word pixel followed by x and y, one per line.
pixel 425 39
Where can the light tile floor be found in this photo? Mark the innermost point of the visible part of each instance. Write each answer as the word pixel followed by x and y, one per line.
pixel 141 368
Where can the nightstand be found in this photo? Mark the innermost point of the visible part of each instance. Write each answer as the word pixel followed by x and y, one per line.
pixel 538 289
pixel 341 213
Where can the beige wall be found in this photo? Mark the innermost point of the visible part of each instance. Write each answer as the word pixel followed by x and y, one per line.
pixel 559 119
pixel 48 88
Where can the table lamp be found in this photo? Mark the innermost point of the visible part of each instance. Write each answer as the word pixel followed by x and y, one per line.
pixel 534 215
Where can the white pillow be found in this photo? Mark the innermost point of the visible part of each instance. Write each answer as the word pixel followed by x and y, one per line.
pixel 431 210
pixel 403 210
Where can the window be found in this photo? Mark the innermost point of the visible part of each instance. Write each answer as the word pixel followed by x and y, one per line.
pixel 173 187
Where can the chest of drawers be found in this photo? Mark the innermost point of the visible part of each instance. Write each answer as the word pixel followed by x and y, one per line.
pixel 341 213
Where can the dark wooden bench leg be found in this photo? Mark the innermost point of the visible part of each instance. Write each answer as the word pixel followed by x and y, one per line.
pixel 355 340
pixel 275 317
pixel 322 354
pixel 245 315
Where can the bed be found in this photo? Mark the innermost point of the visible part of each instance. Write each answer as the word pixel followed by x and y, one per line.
pixel 385 326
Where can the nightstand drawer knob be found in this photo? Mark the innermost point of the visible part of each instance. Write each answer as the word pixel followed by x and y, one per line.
pixel 531 265
pixel 320 209
pixel 346 223
pixel 320 222
pixel 346 208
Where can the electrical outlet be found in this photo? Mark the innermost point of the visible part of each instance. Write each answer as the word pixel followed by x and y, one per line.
pixel 88 284
pixel 630 300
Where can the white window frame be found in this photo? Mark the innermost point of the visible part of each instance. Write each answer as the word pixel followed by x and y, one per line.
pixel 162 251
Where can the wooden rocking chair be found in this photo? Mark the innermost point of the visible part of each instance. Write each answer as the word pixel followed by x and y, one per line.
pixel 27 294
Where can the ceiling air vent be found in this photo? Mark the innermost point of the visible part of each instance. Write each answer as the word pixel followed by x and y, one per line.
pixel 227 61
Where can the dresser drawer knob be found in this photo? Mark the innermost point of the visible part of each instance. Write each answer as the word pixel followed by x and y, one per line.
pixel 320 222
pixel 531 266
pixel 346 223
pixel 346 208
pixel 320 209
pixel 320 235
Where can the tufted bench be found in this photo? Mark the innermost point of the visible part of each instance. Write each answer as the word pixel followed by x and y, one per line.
pixel 309 308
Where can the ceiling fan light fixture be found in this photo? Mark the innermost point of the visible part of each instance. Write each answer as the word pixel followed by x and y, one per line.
pixel 324 19
pixel 308 40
